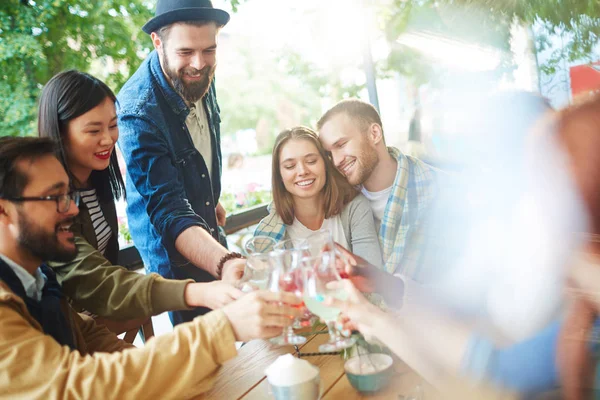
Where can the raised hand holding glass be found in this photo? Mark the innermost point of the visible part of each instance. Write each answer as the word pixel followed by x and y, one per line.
pixel 318 272
pixel 286 276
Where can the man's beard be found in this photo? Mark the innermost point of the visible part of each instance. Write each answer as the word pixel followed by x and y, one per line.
pixel 366 162
pixel 43 245
pixel 194 91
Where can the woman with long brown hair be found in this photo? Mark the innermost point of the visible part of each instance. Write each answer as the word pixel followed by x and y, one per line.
pixel 309 195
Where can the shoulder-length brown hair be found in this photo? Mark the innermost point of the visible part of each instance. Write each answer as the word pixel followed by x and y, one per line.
pixel 337 192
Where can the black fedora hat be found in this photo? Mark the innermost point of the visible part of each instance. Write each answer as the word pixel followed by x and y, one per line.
pixel 171 11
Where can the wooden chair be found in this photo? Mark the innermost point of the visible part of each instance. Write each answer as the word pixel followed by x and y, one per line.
pixel 146 329
pixel 130 327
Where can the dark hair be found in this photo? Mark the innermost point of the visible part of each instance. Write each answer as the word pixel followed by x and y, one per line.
pixel 67 96
pixel 14 149
pixel 360 111
pixel 337 191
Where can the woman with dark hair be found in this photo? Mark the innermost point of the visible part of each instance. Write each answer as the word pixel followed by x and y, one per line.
pixel 77 110
pixel 309 194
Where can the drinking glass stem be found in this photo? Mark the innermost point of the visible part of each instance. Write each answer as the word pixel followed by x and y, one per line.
pixel 288 333
pixel 333 336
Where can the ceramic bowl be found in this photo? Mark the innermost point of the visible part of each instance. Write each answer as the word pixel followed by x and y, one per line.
pixel 369 374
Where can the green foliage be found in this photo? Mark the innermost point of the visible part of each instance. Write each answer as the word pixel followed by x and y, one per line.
pixel 272 91
pixel 43 37
pixel 235 4
pixel 124 232
pixel 39 38
pixel 577 22
pixel 327 83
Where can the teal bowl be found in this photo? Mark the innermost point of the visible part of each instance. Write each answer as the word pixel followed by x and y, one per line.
pixel 369 374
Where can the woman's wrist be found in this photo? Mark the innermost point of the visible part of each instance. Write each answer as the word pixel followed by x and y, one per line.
pixel 194 294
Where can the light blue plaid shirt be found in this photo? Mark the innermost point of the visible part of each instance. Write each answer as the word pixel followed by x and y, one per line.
pixel 272 225
pixel 402 233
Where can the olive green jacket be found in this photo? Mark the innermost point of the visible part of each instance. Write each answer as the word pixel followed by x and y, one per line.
pixel 95 284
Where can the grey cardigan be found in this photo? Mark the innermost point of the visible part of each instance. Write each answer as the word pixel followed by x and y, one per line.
pixel 358 224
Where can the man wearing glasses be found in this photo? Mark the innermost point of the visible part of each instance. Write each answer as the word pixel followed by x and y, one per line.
pixel 44 343
pixel 63 201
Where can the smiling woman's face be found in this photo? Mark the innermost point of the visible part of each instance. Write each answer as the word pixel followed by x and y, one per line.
pixel 91 139
pixel 302 168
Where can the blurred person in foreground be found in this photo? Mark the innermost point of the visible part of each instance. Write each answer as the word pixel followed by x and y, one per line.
pixel 579 133
pixel 499 258
pixel 439 344
pixel 47 350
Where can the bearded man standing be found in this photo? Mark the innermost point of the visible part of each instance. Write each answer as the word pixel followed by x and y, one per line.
pixel 170 139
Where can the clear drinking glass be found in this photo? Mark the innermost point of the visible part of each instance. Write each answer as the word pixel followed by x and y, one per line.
pixel 298 249
pixel 318 272
pixel 292 244
pixel 259 245
pixel 258 267
pixel 322 240
pixel 256 272
pixel 286 276
pixel 318 241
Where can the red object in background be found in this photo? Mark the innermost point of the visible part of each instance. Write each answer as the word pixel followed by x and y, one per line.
pixel 585 79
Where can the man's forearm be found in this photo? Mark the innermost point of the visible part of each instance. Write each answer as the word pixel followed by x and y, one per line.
pixel 200 248
pixel 440 337
pixel 389 331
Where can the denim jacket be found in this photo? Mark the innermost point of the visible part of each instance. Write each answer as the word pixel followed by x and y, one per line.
pixel 168 187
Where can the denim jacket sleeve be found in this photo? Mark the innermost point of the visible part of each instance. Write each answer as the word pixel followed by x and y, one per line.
pixel 155 176
pixel 527 367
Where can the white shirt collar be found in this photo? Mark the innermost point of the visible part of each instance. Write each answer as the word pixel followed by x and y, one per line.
pixel 33 284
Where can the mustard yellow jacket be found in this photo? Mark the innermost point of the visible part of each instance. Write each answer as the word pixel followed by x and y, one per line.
pixel 175 366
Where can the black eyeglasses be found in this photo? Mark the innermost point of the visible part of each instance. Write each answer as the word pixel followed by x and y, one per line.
pixel 63 201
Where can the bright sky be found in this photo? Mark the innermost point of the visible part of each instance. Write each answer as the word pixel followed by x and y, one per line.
pixel 325 31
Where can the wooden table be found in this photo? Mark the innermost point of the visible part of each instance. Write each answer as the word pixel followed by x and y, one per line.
pixel 243 377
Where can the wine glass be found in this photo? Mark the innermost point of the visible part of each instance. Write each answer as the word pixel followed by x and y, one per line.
pixel 318 241
pixel 286 276
pixel 259 244
pixel 256 272
pixel 318 272
pixel 321 241
pixel 298 249
pixel 292 244
pixel 258 267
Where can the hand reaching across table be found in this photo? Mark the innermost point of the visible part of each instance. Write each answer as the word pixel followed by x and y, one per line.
pixel 262 314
